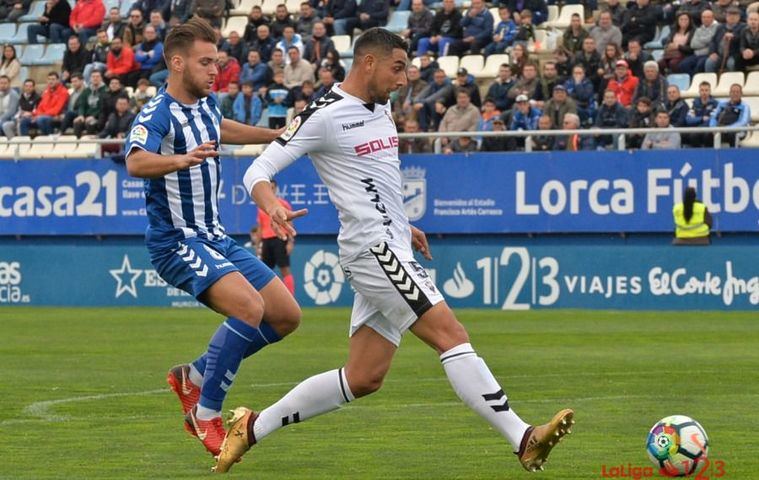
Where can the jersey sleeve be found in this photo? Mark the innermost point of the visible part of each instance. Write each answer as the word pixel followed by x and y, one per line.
pixel 308 132
pixel 149 128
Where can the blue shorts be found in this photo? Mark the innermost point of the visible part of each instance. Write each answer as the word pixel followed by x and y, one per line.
pixel 195 264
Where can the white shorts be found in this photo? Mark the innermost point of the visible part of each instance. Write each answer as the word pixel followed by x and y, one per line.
pixel 392 291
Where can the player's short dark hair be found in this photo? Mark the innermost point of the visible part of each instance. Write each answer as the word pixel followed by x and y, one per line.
pixel 378 40
pixel 183 36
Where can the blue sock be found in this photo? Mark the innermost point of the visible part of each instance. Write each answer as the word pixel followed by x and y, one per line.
pixel 268 335
pixel 229 345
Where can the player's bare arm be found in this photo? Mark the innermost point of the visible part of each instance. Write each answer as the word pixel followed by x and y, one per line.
pixel 236 133
pixel 282 217
pixel 144 164
pixel 419 242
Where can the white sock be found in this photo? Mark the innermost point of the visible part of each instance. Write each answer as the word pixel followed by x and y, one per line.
pixel 195 376
pixel 470 377
pixel 203 413
pixel 319 394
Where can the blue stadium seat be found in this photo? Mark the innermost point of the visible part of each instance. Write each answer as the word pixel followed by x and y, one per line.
pixel 32 54
pixel 53 54
pixel 657 54
pixel 36 10
pixel 658 41
pixel 21 36
pixel 23 73
pixel 125 6
pixel 398 21
pixel 680 80
pixel 7 30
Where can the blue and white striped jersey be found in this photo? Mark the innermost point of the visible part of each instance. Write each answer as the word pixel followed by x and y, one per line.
pixel 185 203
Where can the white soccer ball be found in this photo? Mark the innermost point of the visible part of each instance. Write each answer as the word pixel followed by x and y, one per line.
pixel 677 445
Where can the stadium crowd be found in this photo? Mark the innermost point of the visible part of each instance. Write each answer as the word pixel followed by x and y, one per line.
pixel 607 68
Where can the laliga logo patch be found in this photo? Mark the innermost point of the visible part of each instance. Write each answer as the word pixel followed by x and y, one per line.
pixel 291 129
pixel 139 134
pixel 322 278
pixel 414 192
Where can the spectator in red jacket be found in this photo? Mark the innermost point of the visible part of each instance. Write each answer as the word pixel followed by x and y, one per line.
pixel 623 84
pixel 121 63
pixel 229 71
pixel 50 109
pixel 86 17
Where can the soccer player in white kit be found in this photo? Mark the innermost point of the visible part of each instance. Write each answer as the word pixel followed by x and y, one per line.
pixel 350 137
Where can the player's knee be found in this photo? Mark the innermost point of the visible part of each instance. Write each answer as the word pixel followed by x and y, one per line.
pixel 365 384
pixel 290 320
pixel 253 311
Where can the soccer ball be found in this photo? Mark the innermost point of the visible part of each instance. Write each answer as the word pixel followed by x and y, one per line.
pixel 677 445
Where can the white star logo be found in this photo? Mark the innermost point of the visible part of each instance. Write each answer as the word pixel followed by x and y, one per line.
pixel 129 285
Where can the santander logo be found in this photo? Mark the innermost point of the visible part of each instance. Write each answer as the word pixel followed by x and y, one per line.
pixel 376 145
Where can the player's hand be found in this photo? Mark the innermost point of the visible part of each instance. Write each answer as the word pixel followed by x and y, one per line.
pixel 277 133
pixel 283 221
pixel 419 242
pixel 198 155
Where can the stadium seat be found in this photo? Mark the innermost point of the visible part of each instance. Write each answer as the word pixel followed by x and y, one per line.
pixel 565 16
pixel 236 24
pixel 244 7
pixel 680 80
pixel 125 7
pixel 753 105
pixel 24 148
pixel 692 91
pixel 725 81
pixel 553 13
pixel 492 65
pixel 32 54
pixel 541 40
pixel 7 32
pixel 249 150
pixel 53 54
pixel 751 141
pixel 342 45
pixel 496 16
pixel 36 10
pixel 293 6
pixel 751 89
pixel 6 152
pixel 473 64
pixel 65 147
pixel 21 37
pixel 658 41
pixel 268 7
pixel 657 54
pixel 152 91
pixel 449 64
pixel 42 147
pixel 85 149
pixel 398 21
pixel 129 91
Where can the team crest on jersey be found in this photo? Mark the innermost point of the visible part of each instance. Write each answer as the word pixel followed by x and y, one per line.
pixel 414 192
pixel 139 134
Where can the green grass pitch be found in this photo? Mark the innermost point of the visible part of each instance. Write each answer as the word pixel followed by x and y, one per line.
pixel 83 394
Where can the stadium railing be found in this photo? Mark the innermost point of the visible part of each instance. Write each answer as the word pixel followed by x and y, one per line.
pixel 18 149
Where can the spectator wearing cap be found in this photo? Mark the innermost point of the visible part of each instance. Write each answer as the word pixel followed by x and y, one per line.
pixel 499 89
pixel 611 114
pixel 495 144
pixel 724 51
pixel 528 85
pixel 700 115
pixel 749 43
pixel 461 117
pixel 574 35
pixel 640 22
pixel 641 116
pixel 661 140
pixel 478 27
pixel 419 24
pixel 676 107
pixel 699 44
pixel 636 57
pixel 573 142
pixel 581 90
pixel 538 8
pixel 653 85
pixel 605 32
pixel 559 105
pixel 446 30
pixel 466 81
pixel 732 113
pixel 524 117
pixel 624 85
pixel 503 34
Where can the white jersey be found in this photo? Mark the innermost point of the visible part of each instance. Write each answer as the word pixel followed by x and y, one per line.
pixel 354 148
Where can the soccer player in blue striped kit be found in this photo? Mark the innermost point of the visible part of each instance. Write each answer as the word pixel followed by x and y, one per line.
pixel 173 145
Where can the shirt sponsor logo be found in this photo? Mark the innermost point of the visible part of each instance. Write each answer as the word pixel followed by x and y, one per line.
pixel 376 145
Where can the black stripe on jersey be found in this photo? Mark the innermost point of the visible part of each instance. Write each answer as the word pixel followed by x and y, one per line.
pixel 325 100
pixel 401 280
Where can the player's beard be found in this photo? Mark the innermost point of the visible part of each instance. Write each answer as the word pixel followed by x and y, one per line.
pixel 195 87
